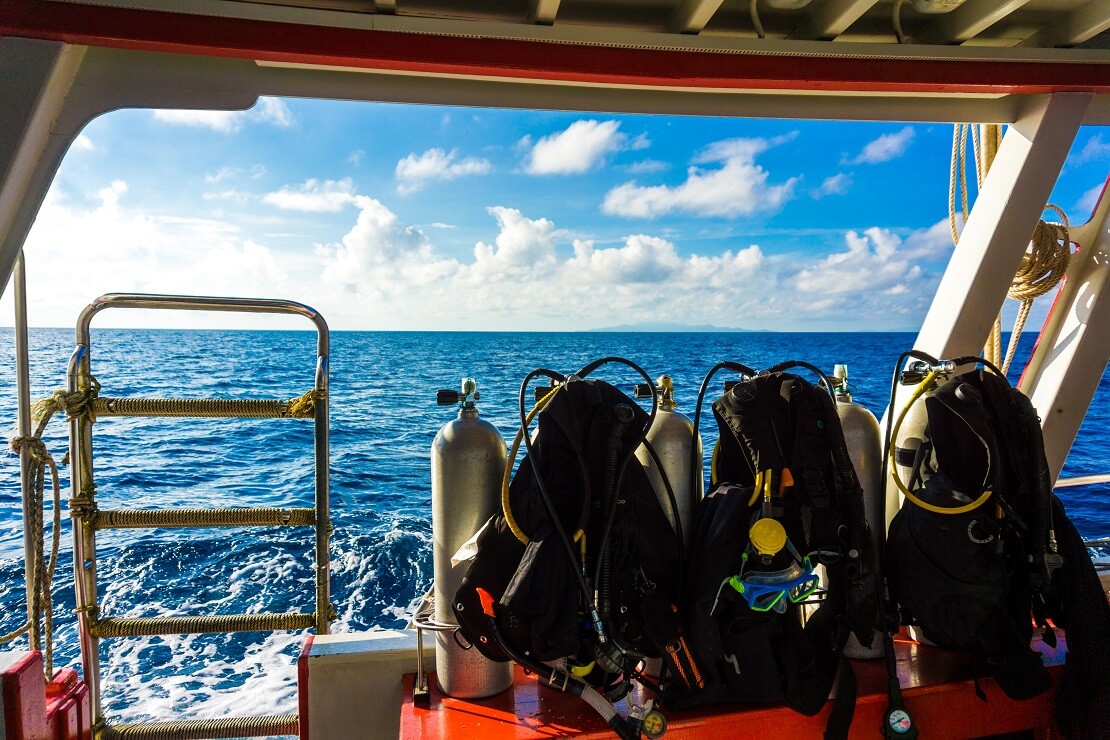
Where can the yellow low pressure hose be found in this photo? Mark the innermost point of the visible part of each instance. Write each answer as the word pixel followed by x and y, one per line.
pixel 922 388
pixel 505 509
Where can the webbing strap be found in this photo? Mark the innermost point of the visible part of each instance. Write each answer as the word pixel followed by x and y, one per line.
pixel 844 706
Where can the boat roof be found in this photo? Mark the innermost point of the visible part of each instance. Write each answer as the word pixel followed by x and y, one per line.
pixel 818 59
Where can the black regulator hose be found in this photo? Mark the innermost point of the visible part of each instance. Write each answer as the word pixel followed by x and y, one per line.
pixel 695 462
pixel 557 678
pixel 560 532
pixel 791 364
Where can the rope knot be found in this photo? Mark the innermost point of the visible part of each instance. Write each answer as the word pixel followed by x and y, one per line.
pixel 34 446
pixel 304 406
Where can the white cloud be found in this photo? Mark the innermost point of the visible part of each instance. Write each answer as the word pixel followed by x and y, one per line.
pixel 642 259
pixel 356 157
pixel 873 264
pixel 415 171
pixel 738 187
pixel 648 167
pixel 523 246
pixel 231 173
pixel 442 225
pixel 527 274
pixel 1085 206
pixel 235 196
pixel 271 111
pixel 382 254
pixel 885 148
pixel 580 148
pixel 82 144
pixel 932 244
pixel 1093 150
pixel 837 184
pixel 314 196
pixel 128 250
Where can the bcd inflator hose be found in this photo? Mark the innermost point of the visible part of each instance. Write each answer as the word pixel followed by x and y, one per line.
pixel 622 417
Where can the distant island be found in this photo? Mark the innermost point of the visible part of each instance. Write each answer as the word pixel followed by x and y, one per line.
pixel 662 326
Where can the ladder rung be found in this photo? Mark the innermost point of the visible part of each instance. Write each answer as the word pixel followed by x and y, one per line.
pixel 143 627
pixel 150 518
pixel 201 729
pixel 259 408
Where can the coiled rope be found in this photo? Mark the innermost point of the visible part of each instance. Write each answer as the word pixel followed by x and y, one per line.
pixel 40 570
pixel 1045 262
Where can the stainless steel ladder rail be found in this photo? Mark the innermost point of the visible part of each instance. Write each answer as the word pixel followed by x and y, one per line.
pixel 87 520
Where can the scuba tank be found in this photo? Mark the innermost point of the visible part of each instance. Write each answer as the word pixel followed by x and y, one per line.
pixel 671 436
pixel 865 448
pixel 468 460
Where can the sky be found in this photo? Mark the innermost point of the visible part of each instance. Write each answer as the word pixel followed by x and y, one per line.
pixel 407 217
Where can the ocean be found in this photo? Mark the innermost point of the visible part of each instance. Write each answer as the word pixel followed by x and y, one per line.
pixel 383 420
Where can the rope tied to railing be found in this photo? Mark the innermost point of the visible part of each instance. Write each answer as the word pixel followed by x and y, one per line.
pixel 40 571
pixel 1045 262
pixel 76 405
pixel 1042 268
pixel 304 406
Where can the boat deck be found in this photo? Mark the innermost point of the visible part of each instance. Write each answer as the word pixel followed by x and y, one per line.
pixel 938 687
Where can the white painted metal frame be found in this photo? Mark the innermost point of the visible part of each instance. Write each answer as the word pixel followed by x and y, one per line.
pixel 1074 346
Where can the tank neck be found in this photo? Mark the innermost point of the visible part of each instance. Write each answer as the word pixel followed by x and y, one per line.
pixel 468 412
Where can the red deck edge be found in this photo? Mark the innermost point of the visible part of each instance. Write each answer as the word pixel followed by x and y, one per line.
pixel 302 689
pixel 24 703
pixel 166 31
pixel 938 687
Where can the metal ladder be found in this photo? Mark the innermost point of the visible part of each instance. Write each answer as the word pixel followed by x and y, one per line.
pixel 88 519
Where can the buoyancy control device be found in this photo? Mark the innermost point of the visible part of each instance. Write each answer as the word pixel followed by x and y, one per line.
pixel 981 550
pixel 577 577
pixel 468 460
pixel 785 498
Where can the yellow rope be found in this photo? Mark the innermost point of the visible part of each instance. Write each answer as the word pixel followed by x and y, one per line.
pixel 197 625
pixel 1043 266
pixel 40 571
pixel 202 728
pixel 302 407
pixel 178 518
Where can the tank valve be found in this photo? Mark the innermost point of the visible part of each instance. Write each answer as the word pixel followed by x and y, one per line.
pixel 465 397
pixel 664 386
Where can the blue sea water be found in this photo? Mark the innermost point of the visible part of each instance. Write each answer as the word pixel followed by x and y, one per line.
pixel 383 420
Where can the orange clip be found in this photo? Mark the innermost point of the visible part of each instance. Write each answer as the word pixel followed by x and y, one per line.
pixel 487 601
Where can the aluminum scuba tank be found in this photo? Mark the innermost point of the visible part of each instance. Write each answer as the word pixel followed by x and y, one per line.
pixel 468 460
pixel 672 436
pixel 865 448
